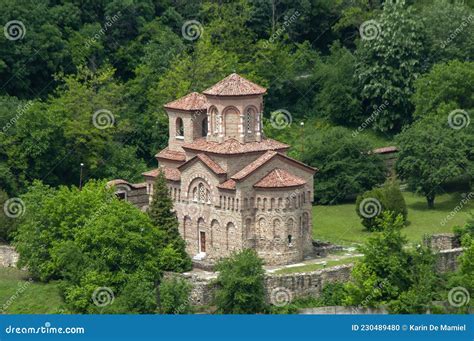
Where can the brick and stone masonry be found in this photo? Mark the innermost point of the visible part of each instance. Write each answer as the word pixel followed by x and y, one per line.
pixel 232 187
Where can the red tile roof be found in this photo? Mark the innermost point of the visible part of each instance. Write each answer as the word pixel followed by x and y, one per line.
pixel 211 164
pixel 232 146
pixel 191 102
pixel 171 155
pixel 385 150
pixel 118 182
pixel 229 184
pixel 279 178
pixel 251 167
pixel 171 174
pixel 234 85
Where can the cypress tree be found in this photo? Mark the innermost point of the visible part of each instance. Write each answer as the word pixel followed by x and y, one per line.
pixel 164 218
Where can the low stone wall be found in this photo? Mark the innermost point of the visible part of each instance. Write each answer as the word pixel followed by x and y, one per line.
pixel 447 260
pixel 305 284
pixel 294 285
pixel 299 285
pixel 203 288
pixel 441 241
pixel 8 256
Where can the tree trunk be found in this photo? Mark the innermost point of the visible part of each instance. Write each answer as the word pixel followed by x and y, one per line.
pixel 430 200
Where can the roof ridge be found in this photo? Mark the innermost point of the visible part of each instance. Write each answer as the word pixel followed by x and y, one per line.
pixel 234 85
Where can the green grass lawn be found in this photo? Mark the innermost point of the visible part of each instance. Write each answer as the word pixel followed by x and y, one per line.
pixel 19 295
pixel 340 223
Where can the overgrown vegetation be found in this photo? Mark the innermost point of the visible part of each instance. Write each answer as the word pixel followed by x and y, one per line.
pixel 240 284
pixel 371 204
pixel 90 240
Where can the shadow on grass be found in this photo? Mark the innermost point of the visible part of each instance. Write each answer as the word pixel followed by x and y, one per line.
pixel 442 204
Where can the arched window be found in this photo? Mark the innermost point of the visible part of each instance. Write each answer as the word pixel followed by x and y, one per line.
pixel 204 127
pixel 202 193
pixel 179 127
pixel 250 120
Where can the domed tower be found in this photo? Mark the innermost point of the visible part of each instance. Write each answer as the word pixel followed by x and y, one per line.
pixel 187 120
pixel 234 109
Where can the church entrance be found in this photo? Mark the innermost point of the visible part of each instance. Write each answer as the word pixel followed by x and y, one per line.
pixel 202 241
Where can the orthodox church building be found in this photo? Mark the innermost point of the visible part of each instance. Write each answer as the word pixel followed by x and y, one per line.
pixel 232 187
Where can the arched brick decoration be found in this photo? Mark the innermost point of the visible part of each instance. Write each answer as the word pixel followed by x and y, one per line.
pixel 186 226
pixel 231 122
pixel 215 229
pixel 193 181
pixel 231 235
pixel 291 228
pixel 248 234
pixel 306 228
pixel 213 113
pixel 278 231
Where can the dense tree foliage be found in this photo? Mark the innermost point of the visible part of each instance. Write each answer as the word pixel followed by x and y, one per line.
pixel 431 153
pixel 387 198
pixel 389 273
pixel 346 165
pixel 89 239
pixel 175 296
pixel 73 59
pixel 174 256
pixel 241 284
pixel 389 61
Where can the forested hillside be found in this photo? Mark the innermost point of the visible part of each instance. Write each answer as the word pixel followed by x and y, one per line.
pixel 370 67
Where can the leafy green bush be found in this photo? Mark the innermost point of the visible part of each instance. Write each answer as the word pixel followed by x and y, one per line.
pixel 372 203
pixel 174 296
pixel 390 273
pixel 241 284
pixel 90 240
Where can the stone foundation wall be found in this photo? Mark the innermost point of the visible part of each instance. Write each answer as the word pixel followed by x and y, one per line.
pixel 296 285
pixel 299 285
pixel 441 241
pixel 8 256
pixel 447 260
